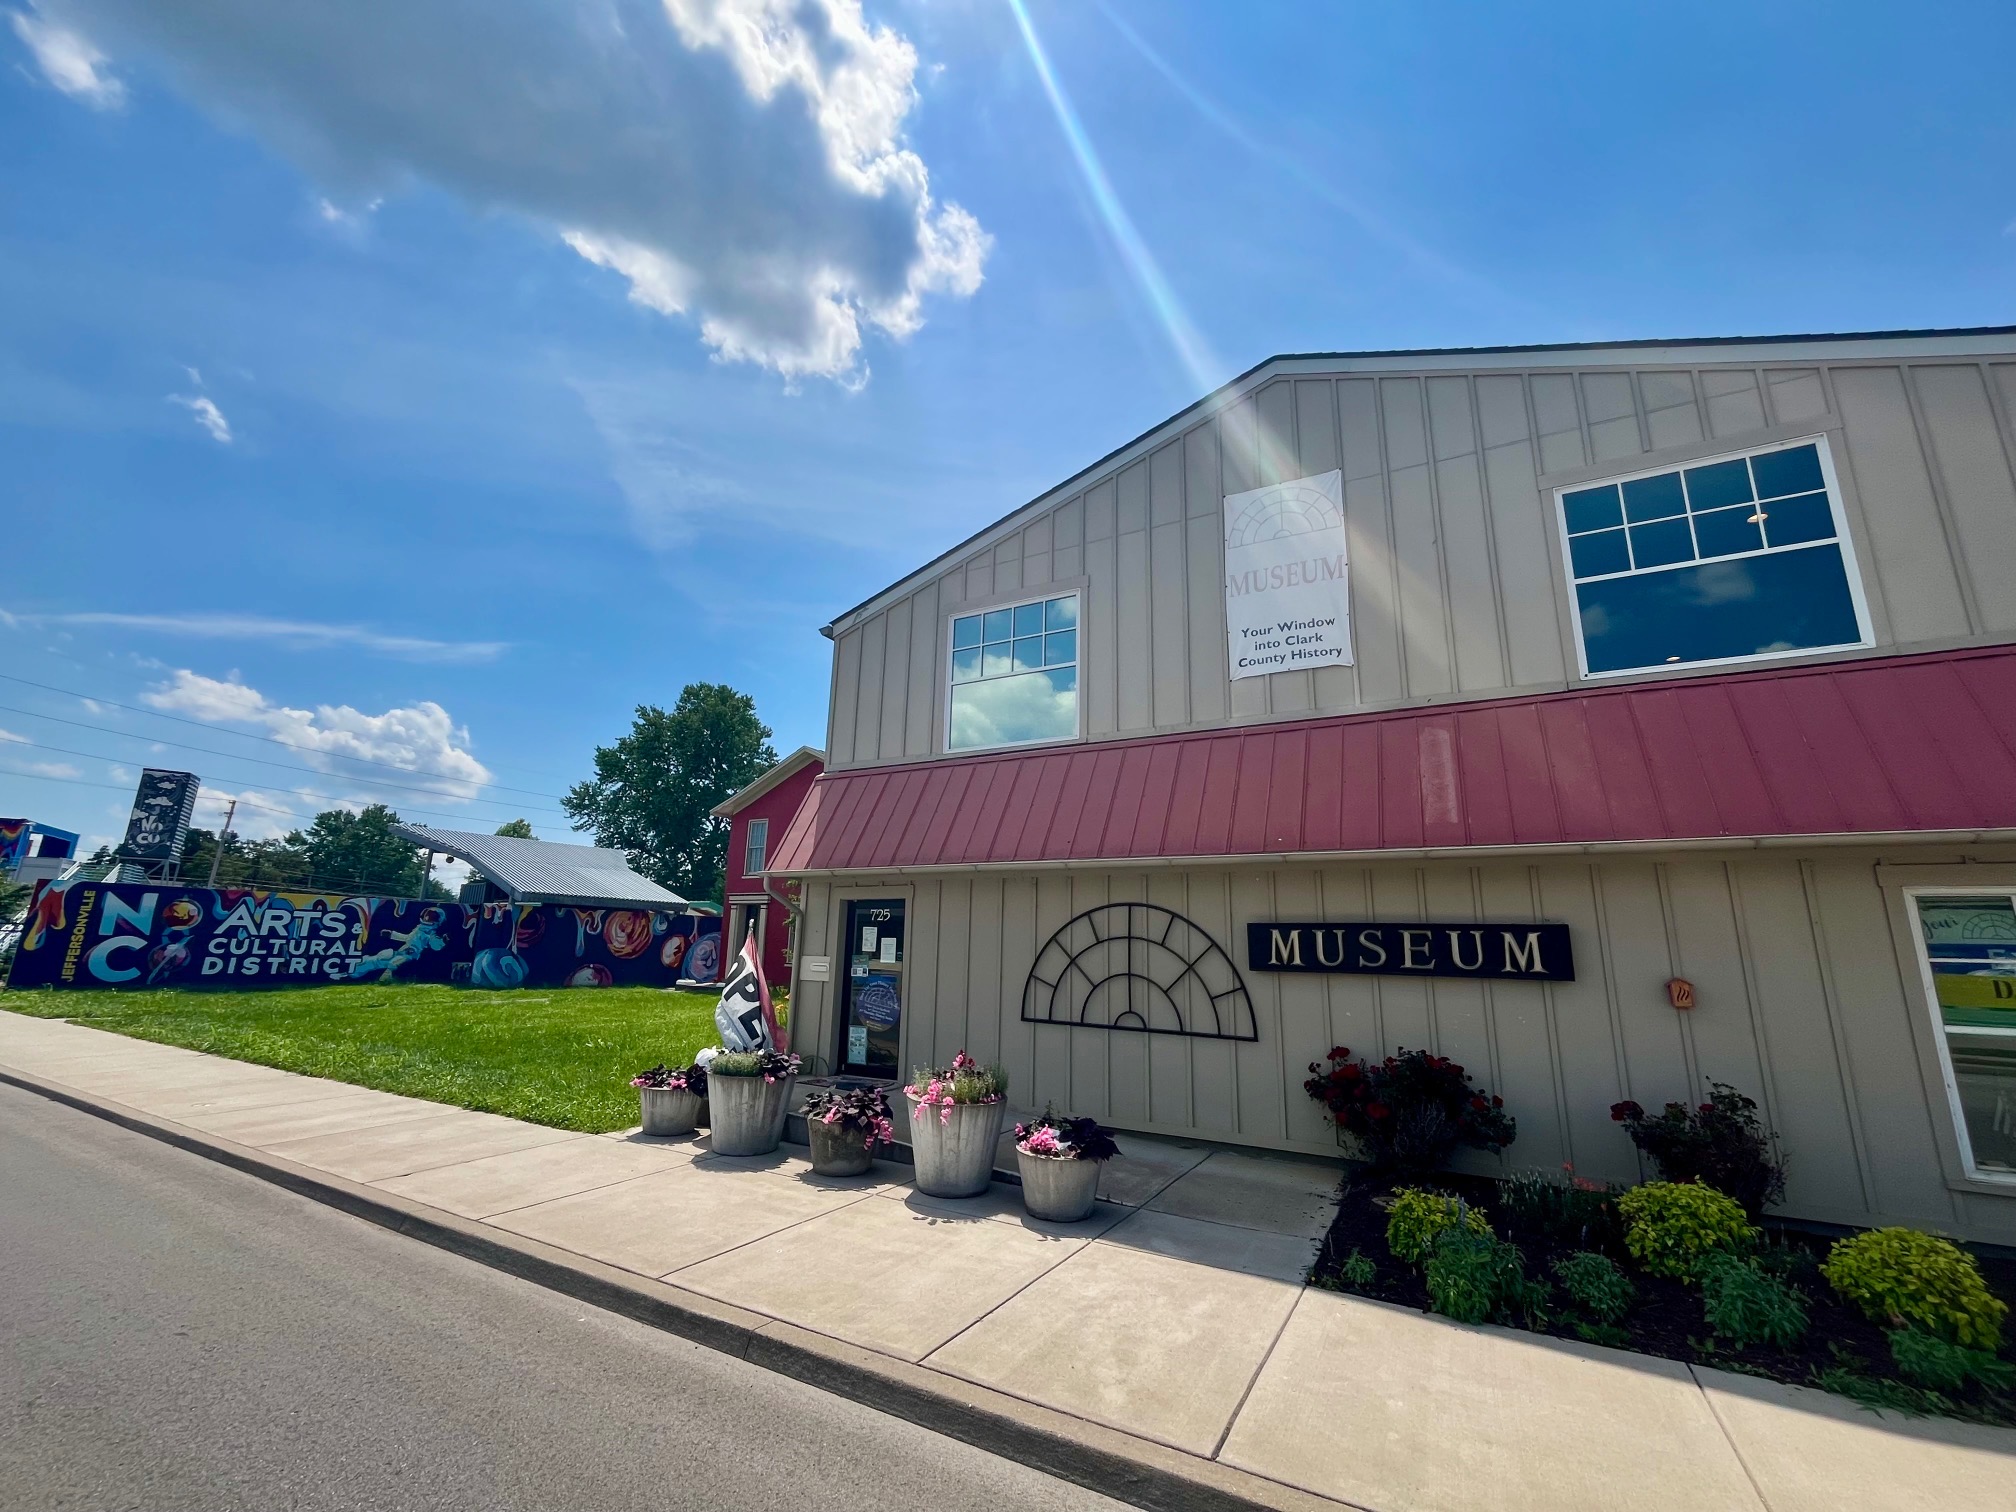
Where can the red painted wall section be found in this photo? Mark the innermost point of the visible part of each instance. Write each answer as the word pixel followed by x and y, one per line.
pixel 780 806
pixel 1886 745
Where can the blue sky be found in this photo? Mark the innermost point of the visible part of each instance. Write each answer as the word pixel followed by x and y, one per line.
pixel 436 390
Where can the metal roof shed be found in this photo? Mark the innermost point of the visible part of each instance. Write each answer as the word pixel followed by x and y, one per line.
pixel 544 871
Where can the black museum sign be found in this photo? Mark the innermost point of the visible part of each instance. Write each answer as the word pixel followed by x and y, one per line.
pixel 1492 952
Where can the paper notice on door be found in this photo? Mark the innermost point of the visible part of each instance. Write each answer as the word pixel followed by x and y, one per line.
pixel 888 950
pixel 868 939
pixel 857 1045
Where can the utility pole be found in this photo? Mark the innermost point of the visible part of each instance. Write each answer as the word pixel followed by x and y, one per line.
pixel 223 834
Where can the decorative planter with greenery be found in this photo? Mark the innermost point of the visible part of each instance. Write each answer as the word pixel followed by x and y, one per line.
pixel 748 1095
pixel 1410 1112
pixel 671 1102
pixel 1720 1143
pixel 955 1124
pixel 844 1125
pixel 1059 1159
pixel 1894 1318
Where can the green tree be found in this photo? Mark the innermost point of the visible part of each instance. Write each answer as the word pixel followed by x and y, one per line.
pixel 359 853
pixel 517 829
pixel 653 790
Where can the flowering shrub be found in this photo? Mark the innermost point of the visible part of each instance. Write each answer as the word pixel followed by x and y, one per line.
pixel 964 1081
pixel 1058 1138
pixel 691 1079
pixel 771 1065
pixel 862 1109
pixel 1721 1143
pixel 1409 1111
pixel 1568 1209
pixel 1415 1219
pixel 1673 1228
pixel 1900 1276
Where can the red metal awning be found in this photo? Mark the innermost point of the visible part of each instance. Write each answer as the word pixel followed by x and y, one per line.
pixel 1865 747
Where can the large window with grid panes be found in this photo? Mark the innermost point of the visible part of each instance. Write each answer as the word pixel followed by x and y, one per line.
pixel 1014 675
pixel 1729 559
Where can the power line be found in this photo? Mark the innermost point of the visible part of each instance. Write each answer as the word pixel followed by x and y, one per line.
pixel 256 760
pixel 205 724
pixel 116 787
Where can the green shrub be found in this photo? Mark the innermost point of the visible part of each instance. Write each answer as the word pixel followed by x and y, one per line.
pixel 1933 1362
pixel 1745 1304
pixel 1416 1218
pixel 1476 1278
pixel 1595 1284
pixel 1568 1209
pixel 1671 1228
pixel 1358 1269
pixel 1902 1276
pixel 1601 1333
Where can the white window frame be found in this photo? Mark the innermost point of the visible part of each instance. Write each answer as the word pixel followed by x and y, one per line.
pixel 985 607
pixel 755 842
pixel 1842 539
pixel 1929 996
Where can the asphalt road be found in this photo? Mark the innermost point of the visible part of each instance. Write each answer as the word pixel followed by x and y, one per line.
pixel 174 1334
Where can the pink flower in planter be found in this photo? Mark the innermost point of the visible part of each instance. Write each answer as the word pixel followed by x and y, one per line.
pixel 1043 1141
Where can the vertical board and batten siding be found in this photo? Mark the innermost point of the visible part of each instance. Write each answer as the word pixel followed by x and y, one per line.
pixel 1456 591
pixel 1802 1003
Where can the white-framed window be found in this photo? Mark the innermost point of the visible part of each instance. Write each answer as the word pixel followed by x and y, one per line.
pixel 1967 959
pixel 1733 558
pixel 754 846
pixel 1014 675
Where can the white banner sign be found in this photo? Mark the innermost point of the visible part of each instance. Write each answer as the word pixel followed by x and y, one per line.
pixel 1287 589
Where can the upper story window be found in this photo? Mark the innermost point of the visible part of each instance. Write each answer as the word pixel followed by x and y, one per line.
pixel 754 847
pixel 1014 675
pixel 1724 560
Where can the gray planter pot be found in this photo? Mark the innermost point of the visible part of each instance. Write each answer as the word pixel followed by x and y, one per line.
pixel 670 1110
pixel 955 1156
pixel 837 1151
pixel 747 1113
pixel 1062 1191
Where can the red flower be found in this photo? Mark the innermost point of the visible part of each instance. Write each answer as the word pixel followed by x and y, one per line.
pixel 1620 1112
pixel 1377 1110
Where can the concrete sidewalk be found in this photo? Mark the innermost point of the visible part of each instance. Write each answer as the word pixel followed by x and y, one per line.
pixel 1171 1332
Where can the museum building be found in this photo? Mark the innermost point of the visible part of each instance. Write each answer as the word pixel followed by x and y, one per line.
pixel 1611 718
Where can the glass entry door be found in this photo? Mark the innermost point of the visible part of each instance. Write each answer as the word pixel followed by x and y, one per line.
pixel 871 1015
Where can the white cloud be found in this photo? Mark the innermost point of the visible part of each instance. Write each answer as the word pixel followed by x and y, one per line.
pixel 49 769
pixel 740 163
pixel 261 814
pixel 69 62
pixel 207 415
pixel 417 737
pixel 305 635
pixel 9 735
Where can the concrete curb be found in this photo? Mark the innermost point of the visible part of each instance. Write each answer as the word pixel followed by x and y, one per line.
pixel 1120 1465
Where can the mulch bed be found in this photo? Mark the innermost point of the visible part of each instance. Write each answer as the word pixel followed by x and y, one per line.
pixel 1666 1319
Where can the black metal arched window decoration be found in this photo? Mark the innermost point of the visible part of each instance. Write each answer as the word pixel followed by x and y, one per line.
pixel 1138 967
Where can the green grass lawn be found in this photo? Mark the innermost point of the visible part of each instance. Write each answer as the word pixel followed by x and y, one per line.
pixel 552 1056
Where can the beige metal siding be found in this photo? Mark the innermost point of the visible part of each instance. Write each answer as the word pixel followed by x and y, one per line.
pixel 1456 590
pixel 1803 1004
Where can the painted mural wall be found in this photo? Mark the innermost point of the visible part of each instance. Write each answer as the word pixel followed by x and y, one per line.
pixel 99 935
